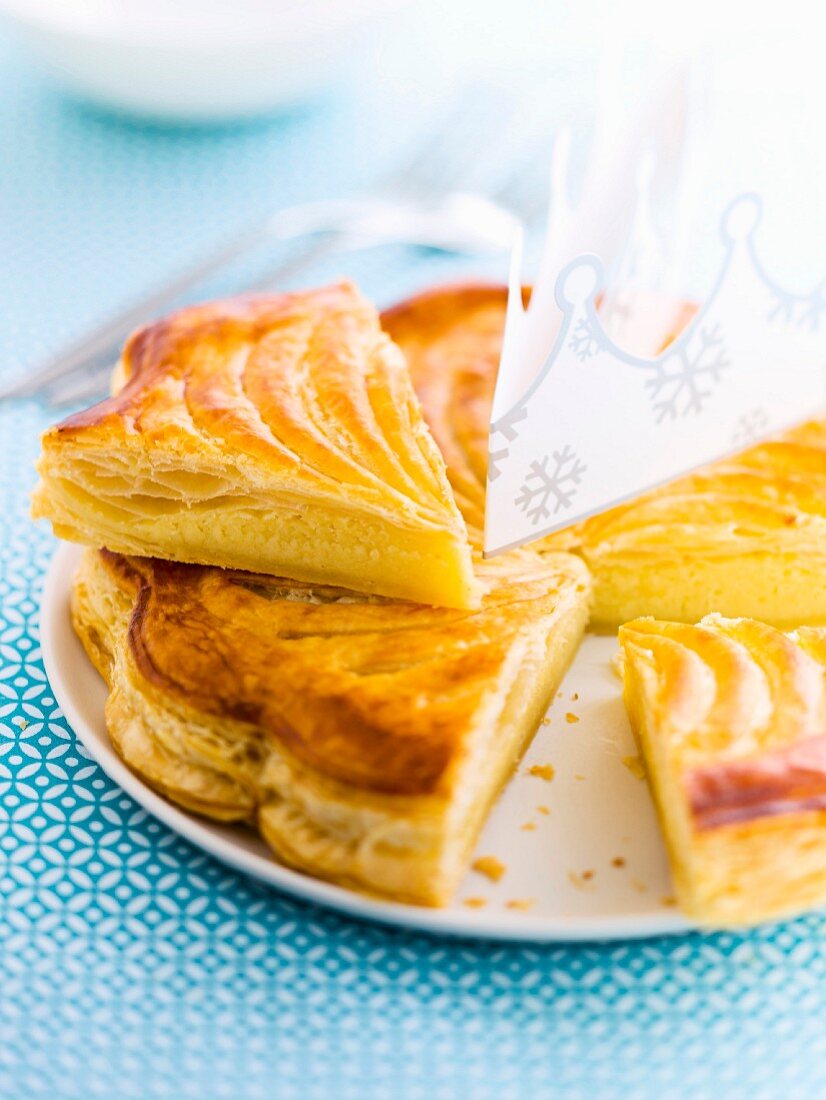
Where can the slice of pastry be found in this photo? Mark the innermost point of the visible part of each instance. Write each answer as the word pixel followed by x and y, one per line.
pixel 277 434
pixel 745 536
pixel 366 737
pixel 731 719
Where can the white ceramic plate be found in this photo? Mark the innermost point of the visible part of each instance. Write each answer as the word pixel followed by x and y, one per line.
pixel 582 854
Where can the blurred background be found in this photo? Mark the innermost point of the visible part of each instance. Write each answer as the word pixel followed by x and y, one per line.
pixel 137 135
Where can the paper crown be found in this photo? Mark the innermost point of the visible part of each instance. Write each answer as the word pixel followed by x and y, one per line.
pixel 599 425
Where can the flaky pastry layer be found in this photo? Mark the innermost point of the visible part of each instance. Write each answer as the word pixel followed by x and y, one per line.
pixel 730 715
pixel 278 434
pixel 366 738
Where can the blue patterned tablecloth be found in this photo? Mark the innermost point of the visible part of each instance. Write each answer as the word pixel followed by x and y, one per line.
pixel 132 965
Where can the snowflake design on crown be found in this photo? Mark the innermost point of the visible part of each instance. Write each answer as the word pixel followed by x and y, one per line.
pixel 803 312
pixel 505 427
pixel 680 384
pixel 750 428
pixel 587 340
pixel 553 478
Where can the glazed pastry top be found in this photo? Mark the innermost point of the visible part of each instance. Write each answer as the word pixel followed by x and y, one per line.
pixel 374 692
pixel 297 392
pixel 739 710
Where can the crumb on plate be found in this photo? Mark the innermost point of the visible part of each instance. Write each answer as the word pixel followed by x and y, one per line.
pixel 543 810
pixel 475 903
pixel 571 717
pixel 618 861
pixel 520 903
pixel 542 771
pixel 580 881
pixel 490 867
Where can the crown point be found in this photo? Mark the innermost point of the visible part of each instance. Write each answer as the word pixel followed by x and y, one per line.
pixel 742 217
pixel 578 282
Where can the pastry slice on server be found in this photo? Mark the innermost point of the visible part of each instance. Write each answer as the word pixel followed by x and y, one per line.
pixel 279 434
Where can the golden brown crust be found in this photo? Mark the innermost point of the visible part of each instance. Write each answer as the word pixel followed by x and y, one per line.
pixel 305 663
pixel 279 433
pixel 730 716
pixel 730 538
pixel 367 737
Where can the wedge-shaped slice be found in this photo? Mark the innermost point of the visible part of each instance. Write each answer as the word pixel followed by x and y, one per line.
pixel 277 434
pixel 745 536
pixel 731 719
pixel 365 737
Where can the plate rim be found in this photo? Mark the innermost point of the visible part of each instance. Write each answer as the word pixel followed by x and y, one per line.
pixel 472 924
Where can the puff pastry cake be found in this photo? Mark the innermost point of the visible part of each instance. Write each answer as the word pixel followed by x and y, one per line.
pixel 365 737
pixel 731 718
pixel 745 536
pixel 278 434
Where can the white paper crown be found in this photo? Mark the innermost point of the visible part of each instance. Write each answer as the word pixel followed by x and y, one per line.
pixel 599 425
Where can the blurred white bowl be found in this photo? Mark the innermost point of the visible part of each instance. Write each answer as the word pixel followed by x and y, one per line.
pixel 195 60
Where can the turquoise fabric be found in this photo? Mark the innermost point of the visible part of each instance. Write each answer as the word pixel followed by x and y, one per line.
pixel 132 965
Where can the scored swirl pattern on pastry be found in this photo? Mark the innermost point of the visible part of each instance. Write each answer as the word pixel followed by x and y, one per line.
pixel 274 433
pixel 725 538
pixel 730 716
pixel 740 710
pixel 305 384
pixel 365 737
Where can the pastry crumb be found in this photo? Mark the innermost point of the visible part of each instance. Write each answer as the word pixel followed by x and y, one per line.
pixel 20 721
pixel 618 861
pixel 635 765
pixel 546 721
pixel 475 903
pixel 580 777
pixel 571 717
pixel 580 881
pixel 544 810
pixel 668 901
pixel 639 886
pixel 542 771
pixel 575 697
pixel 490 867
pixel 528 827
pixel 520 903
